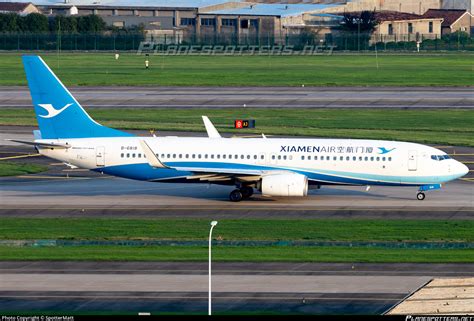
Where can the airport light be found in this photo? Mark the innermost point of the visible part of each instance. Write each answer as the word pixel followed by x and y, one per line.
pixel 213 223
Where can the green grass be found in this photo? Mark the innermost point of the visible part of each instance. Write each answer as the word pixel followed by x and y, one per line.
pixel 445 126
pixel 14 169
pixel 335 70
pixel 248 229
pixel 242 229
pixel 236 254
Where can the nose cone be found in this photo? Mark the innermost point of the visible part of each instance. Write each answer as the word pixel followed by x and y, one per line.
pixel 461 169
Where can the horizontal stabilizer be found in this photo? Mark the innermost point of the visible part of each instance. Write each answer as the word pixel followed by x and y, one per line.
pixel 42 144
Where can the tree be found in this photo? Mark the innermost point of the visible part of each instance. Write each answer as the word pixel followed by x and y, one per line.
pixel 90 24
pixel 359 27
pixel 363 22
pixel 35 22
pixel 68 24
pixel 9 22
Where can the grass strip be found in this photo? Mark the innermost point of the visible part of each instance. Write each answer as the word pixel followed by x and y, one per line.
pixel 241 229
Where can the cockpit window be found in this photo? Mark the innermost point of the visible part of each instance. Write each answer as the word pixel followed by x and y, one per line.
pixel 440 157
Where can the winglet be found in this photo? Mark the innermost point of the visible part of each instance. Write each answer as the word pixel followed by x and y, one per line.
pixel 151 157
pixel 211 130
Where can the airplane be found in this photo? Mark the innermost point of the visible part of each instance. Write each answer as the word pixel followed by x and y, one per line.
pixel 273 166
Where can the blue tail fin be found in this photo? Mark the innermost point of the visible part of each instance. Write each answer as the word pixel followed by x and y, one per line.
pixel 58 113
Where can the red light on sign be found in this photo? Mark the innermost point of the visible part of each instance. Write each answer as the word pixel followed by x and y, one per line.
pixel 238 124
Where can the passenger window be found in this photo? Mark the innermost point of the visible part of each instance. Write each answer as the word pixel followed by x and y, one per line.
pixel 187 155
pixel 383 159
pixel 334 158
pixel 273 156
pixel 194 155
pixel 372 158
pixel 180 156
pixel 360 158
pixel 121 155
pixel 218 156
pixel 284 157
pixel 341 158
pixel 328 158
pixel 205 156
pixel 279 156
pixel 315 157
pixel 212 156
pixel 254 156
pixel 378 158
pixel 366 158
pixel 128 155
pixel 390 159
pixel 199 156
pixel 302 157
pixel 290 157
pixel 241 156
pixel 354 158
pixel 262 157
pixel 223 156
pixel 309 157
pixel 230 156
pixel 162 155
pixel 174 155
pixel 168 156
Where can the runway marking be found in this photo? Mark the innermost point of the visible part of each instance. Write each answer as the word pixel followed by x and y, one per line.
pixel 19 156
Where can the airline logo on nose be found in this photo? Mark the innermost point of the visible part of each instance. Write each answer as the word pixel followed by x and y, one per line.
pixel 52 112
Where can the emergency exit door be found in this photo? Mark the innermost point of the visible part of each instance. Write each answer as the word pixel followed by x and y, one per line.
pixel 412 160
pixel 100 156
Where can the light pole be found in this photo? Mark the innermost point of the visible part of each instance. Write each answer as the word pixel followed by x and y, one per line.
pixel 213 223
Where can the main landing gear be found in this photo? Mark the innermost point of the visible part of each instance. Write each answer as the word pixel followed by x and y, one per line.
pixel 241 193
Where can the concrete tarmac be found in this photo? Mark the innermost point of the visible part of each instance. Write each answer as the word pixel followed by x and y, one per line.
pixel 256 97
pixel 79 196
pixel 134 287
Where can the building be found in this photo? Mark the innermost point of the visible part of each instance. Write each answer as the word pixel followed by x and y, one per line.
pixel 22 8
pixel 264 24
pixel 453 20
pixel 458 4
pixel 399 26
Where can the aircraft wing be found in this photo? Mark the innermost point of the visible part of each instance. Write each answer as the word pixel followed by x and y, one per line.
pixel 211 130
pixel 207 173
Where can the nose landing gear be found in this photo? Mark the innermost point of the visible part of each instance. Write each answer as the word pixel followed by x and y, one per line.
pixel 420 196
pixel 241 193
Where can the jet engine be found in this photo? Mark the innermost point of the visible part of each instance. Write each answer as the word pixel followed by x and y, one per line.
pixel 290 184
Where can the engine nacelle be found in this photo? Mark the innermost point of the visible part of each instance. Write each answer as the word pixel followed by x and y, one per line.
pixel 284 185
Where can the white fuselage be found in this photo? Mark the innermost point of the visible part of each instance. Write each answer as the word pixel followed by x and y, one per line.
pixel 323 161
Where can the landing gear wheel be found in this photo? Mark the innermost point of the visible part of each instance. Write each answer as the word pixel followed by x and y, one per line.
pixel 420 196
pixel 246 191
pixel 235 196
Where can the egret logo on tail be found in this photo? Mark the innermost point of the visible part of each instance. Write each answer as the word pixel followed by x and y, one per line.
pixel 383 150
pixel 51 111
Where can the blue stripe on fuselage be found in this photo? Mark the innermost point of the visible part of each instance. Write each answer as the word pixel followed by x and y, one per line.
pixel 143 171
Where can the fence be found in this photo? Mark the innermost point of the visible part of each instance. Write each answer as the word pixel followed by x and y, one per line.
pixel 297 42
